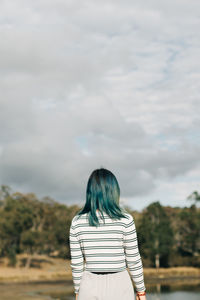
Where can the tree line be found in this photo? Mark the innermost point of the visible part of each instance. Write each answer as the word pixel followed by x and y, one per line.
pixel 167 236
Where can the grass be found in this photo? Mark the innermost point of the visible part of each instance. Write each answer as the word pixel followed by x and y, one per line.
pixel 52 269
pixel 173 272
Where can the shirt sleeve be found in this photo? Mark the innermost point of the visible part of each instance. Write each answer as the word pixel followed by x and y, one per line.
pixel 133 258
pixel 77 260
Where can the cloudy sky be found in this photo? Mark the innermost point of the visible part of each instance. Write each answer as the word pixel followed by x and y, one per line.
pixel 89 84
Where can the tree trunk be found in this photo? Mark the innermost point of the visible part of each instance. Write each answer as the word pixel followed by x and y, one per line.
pixel 157 261
pixel 28 261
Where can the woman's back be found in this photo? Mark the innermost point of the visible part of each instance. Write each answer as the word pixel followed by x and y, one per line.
pixel 102 246
pixel 110 247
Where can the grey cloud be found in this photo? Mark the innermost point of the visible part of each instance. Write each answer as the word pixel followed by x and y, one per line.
pixel 124 77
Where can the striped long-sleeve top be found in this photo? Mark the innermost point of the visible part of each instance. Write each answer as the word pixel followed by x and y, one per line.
pixel 110 247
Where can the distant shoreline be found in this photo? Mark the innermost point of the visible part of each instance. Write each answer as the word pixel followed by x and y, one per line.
pixel 172 272
pixel 152 276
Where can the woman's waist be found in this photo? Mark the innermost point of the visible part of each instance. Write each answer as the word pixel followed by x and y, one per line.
pixel 102 269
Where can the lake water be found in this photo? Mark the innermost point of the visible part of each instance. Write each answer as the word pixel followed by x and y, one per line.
pixel 175 296
pixel 63 290
pixel 174 291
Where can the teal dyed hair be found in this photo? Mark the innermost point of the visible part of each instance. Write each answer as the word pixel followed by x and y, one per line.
pixel 102 193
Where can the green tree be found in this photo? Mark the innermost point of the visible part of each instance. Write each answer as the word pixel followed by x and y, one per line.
pixel 16 216
pixel 5 192
pixel 155 235
pixel 12 256
pixel 189 231
pixel 195 197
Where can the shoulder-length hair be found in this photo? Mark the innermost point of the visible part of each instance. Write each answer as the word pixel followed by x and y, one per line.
pixel 102 193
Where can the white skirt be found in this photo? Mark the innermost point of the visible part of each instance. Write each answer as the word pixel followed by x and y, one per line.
pixel 116 286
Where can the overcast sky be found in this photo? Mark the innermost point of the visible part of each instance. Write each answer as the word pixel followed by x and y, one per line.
pixel 90 84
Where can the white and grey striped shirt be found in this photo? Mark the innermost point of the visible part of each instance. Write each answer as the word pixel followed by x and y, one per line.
pixel 111 247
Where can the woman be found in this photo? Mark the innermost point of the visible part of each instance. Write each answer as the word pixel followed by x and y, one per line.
pixel 103 235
